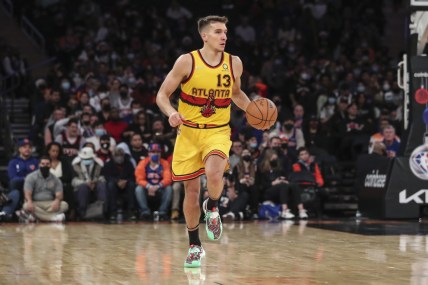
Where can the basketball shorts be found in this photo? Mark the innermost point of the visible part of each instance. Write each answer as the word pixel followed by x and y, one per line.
pixel 193 146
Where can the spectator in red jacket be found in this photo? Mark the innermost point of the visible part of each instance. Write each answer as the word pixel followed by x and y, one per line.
pixel 306 164
pixel 153 175
pixel 115 126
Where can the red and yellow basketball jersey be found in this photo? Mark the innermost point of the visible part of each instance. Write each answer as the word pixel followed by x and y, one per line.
pixel 206 94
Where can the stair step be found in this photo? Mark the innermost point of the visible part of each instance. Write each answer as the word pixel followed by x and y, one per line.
pixel 20 124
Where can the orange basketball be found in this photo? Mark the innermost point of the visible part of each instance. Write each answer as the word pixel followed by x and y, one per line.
pixel 261 114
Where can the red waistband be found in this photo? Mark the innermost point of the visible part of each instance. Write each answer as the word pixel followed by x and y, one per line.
pixel 202 126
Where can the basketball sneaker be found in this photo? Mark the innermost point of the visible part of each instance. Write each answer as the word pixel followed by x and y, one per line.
pixel 213 224
pixel 303 214
pixel 287 215
pixel 194 256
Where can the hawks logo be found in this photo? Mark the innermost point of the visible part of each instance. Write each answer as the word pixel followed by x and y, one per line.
pixel 209 109
pixel 209 105
pixel 419 162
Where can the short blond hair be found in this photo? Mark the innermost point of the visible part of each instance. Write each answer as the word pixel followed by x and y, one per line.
pixel 205 21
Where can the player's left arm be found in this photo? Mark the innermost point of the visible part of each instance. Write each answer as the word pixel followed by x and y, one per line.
pixel 238 96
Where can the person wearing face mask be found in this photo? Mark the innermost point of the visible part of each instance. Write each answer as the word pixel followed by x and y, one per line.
pixel 104 153
pixel 244 174
pixel 274 184
pixel 120 179
pixel 100 131
pixel 85 125
pixel 104 113
pixel 66 86
pixel 328 110
pixel 153 176
pixel 89 184
pixel 306 164
pixel 136 108
pixel 115 126
pixel 315 137
pixel 43 196
pixel 124 102
pixel 252 145
pixel 293 135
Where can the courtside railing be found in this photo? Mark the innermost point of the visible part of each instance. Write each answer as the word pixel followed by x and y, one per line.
pixel 8 87
pixel 32 32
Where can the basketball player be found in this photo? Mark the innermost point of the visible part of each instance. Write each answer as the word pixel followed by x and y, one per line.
pixel 210 78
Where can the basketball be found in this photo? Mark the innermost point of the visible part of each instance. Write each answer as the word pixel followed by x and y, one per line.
pixel 261 114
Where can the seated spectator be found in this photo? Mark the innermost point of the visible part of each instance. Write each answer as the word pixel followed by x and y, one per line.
pixel 89 184
pixel 123 103
pixel 86 128
pixel 104 152
pixel 244 174
pixel 137 149
pixel 43 195
pixel 233 202
pixel 104 114
pixel 276 188
pixel 315 138
pixel 115 126
pixel 305 164
pixel 354 134
pixel 293 135
pixel 22 165
pixel 71 140
pixel 153 175
pixel 62 169
pixel 100 131
pixel 140 126
pixel 161 137
pixel 391 141
pixel 236 153
pixel 58 114
pixel 299 116
pixel 9 201
pixel 119 175
pixel 379 137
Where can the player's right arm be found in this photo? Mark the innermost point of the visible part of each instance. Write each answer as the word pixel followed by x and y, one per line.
pixel 180 71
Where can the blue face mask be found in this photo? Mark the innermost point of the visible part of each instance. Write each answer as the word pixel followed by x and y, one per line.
pixel 87 162
pixel 100 132
pixel 65 85
pixel 253 145
pixel 155 158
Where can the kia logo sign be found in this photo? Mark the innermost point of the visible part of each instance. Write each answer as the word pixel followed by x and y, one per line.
pixel 420 197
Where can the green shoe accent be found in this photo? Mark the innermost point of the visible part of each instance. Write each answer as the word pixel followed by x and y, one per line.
pixel 194 256
pixel 213 224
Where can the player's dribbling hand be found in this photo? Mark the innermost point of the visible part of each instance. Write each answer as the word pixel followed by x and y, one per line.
pixel 175 119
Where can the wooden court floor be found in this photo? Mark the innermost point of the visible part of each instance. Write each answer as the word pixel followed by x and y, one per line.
pixel 248 253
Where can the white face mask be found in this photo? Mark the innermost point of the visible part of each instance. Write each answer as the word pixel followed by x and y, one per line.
pixel 135 111
pixel 87 162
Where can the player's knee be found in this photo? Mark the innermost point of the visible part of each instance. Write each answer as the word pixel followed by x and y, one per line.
pixel 192 198
pixel 214 175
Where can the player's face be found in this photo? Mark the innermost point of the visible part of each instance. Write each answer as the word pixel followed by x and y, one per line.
pixel 216 36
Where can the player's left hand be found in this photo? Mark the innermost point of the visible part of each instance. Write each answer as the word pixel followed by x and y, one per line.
pixel 175 119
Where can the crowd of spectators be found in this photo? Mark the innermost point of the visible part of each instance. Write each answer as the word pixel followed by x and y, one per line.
pixel 322 62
